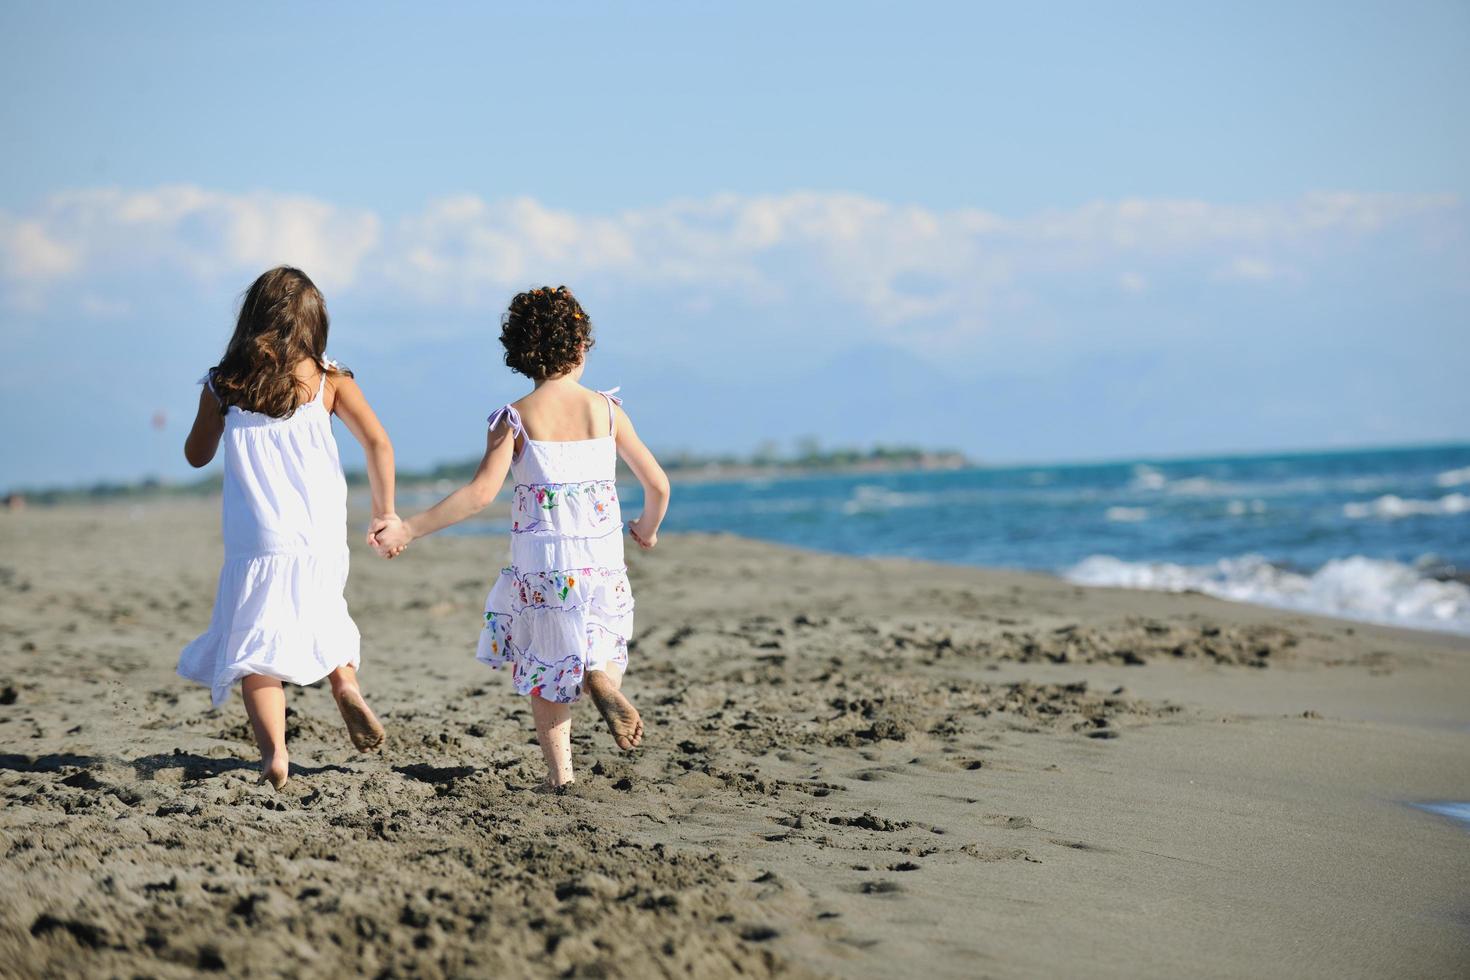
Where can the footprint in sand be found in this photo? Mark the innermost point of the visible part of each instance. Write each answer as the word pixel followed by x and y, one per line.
pixel 1008 822
pixel 873 775
pixel 870 821
pixel 988 853
pixel 1078 845
pixel 880 888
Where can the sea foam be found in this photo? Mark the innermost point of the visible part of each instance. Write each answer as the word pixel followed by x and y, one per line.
pixel 1390 507
pixel 1369 589
pixel 1453 478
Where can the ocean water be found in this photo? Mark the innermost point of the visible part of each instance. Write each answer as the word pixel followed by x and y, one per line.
pixel 1380 536
pixel 1454 810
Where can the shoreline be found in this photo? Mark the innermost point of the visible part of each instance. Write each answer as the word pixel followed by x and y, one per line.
pixel 470 530
pixel 500 508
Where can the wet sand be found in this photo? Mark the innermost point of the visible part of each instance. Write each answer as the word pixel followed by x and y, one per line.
pixel 851 767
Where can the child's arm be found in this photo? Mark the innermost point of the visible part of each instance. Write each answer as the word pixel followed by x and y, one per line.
pixel 351 406
pixel 209 425
pixel 651 475
pixel 467 501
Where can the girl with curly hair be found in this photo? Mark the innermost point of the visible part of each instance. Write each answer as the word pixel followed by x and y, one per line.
pixel 562 613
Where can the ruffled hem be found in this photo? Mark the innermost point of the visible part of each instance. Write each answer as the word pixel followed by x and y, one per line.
pixel 553 636
pixel 594 552
pixel 280 616
pixel 258 652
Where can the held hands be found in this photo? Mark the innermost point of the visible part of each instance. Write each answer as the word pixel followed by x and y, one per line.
pixel 645 535
pixel 389 535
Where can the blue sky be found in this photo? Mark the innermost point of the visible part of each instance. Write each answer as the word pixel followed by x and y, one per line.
pixel 1089 230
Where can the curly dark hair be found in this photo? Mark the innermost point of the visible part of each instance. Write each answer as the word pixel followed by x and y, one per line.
pixel 546 333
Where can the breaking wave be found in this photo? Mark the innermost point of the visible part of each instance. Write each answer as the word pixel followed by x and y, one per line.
pixel 1391 508
pixel 1369 589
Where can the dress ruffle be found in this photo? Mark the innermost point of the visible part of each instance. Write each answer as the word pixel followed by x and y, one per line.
pixel 583 508
pixel 551 627
pixel 281 616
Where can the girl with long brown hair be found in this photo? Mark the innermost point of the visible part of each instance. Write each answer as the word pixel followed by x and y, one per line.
pixel 279 614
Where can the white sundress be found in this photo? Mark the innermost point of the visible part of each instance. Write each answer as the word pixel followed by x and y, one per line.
pixel 279 611
pixel 563 607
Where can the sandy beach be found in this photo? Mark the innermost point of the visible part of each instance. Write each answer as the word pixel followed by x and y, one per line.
pixel 853 767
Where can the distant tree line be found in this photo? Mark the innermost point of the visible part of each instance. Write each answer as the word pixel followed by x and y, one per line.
pixel 807 455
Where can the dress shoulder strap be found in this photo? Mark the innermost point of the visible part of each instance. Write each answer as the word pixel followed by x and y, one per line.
pixel 330 366
pixel 327 365
pixel 511 417
pixel 612 413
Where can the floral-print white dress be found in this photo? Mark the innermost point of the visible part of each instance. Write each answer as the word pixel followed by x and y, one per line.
pixel 563 607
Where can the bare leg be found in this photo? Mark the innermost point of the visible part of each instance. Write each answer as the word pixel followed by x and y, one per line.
pixel 363 726
pixel 622 718
pixel 614 672
pixel 265 703
pixel 554 732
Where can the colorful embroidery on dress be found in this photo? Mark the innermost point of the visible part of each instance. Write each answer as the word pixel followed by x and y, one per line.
pixel 552 506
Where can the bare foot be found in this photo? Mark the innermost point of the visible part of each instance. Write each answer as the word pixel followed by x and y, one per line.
pixel 621 717
pixel 362 725
pixel 549 788
pixel 275 769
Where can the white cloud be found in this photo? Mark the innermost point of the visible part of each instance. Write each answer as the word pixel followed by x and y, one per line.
pixel 466 250
pixel 895 264
pixel 89 234
pixel 1164 225
pixel 30 261
pixel 27 252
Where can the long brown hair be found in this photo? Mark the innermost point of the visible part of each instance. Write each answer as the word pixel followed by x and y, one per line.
pixel 283 321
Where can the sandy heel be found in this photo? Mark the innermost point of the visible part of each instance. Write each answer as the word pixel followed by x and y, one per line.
pixel 621 717
pixel 278 775
pixel 363 726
